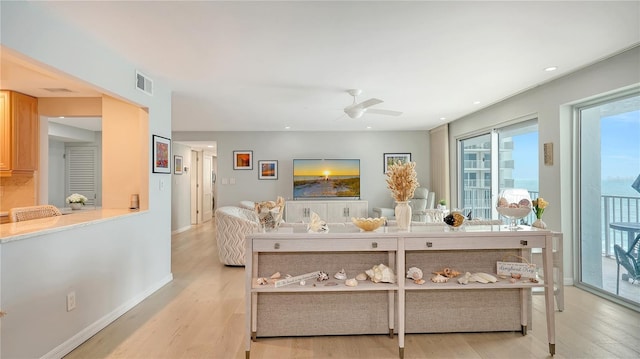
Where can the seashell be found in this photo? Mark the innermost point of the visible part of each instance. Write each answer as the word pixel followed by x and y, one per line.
pixel 524 203
pixel 381 273
pixel 465 278
pixel 414 273
pixel 419 281
pixel 322 276
pixel 502 202
pixel 288 276
pixel 438 278
pixel 340 275
pixel 275 275
pixel 361 276
pixel 448 272
pixel 516 275
pixel 512 280
pixel 351 282
pixel 533 280
pixel 303 282
pixel 262 281
pixel 330 284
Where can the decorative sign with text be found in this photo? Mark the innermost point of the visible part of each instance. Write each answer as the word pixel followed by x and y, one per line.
pixel 526 270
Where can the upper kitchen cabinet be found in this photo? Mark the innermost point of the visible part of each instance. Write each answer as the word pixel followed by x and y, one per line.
pixel 18 133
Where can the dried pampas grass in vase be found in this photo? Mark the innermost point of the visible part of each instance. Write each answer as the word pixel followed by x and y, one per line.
pixel 402 180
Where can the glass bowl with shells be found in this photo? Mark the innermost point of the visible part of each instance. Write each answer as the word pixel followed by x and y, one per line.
pixel 514 204
pixel 368 224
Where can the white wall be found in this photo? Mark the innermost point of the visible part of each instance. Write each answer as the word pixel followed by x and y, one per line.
pixel 551 104
pixel 284 146
pixel 129 269
pixel 181 191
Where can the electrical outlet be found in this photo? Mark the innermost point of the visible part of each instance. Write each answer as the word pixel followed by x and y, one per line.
pixel 71 301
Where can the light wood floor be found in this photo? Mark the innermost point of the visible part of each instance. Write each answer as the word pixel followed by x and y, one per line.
pixel 200 314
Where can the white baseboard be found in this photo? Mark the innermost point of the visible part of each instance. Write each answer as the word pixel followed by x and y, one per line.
pixel 73 342
pixel 179 230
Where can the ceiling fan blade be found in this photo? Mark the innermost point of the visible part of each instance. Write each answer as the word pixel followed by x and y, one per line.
pixel 362 105
pixel 370 102
pixel 384 112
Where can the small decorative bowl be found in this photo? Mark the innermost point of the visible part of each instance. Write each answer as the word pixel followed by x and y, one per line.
pixel 368 224
pixel 454 219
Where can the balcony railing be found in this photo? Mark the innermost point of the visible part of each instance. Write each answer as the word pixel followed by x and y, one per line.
pixel 617 209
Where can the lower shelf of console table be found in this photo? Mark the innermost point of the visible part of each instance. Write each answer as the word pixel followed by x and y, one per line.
pixel 403 307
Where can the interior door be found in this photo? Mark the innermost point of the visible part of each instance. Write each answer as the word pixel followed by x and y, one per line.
pixel 207 188
pixel 82 172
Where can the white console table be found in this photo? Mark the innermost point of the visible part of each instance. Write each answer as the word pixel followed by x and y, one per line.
pixel 403 306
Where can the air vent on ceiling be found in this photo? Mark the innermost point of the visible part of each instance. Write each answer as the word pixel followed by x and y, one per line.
pixel 57 89
pixel 143 83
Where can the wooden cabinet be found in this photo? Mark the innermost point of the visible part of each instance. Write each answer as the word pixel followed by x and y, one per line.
pixel 329 211
pixel 19 133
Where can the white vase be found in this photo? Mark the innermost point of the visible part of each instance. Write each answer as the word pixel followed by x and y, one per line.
pixel 403 215
pixel 539 224
pixel 75 205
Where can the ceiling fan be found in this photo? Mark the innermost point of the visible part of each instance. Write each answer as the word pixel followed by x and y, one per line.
pixel 356 110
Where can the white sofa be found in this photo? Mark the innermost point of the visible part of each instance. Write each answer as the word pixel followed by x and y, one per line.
pixel 232 223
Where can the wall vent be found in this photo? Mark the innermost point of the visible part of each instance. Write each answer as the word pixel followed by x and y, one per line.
pixel 144 83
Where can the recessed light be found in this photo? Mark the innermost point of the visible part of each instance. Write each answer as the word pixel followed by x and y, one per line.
pixel 210 146
pixel 476 102
pixel 61 117
pixel 287 127
pixel 551 68
pixel 443 118
pixel 368 127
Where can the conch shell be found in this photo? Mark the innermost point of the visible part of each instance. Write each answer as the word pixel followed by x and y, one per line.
pixel 351 282
pixel 317 225
pixel 381 273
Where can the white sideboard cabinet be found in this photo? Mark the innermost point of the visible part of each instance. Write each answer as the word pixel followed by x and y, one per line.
pixel 333 211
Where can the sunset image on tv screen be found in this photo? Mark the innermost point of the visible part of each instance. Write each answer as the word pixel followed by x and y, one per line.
pixel 326 178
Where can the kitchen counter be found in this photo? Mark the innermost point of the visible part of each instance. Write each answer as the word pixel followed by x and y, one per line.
pixel 26 229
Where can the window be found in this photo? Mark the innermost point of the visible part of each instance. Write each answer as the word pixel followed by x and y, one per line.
pixel 506 157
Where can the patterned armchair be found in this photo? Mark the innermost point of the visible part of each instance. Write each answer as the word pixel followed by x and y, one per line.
pixel 232 223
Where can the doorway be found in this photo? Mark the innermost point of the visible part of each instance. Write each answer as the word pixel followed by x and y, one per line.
pixel 203 186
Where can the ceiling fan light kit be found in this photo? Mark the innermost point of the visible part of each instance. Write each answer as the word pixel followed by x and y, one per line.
pixel 356 110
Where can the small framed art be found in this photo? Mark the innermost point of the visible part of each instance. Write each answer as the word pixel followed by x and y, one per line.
pixel 268 170
pixel 242 160
pixel 392 158
pixel 177 165
pixel 161 153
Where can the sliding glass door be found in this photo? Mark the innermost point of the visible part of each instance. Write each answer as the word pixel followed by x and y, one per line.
pixel 609 162
pixel 506 157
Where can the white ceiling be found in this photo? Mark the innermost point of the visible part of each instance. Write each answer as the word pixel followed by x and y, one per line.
pixel 247 66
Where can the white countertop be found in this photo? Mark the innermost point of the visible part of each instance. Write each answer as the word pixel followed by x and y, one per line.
pixel 36 227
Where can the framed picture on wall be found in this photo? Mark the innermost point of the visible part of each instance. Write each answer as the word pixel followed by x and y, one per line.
pixel 242 160
pixel 161 152
pixel 268 170
pixel 177 165
pixel 392 158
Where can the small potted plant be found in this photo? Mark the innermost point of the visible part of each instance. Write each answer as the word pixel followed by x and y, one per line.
pixel 76 201
pixel 442 204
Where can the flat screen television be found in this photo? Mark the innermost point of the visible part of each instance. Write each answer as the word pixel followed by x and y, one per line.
pixel 326 179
